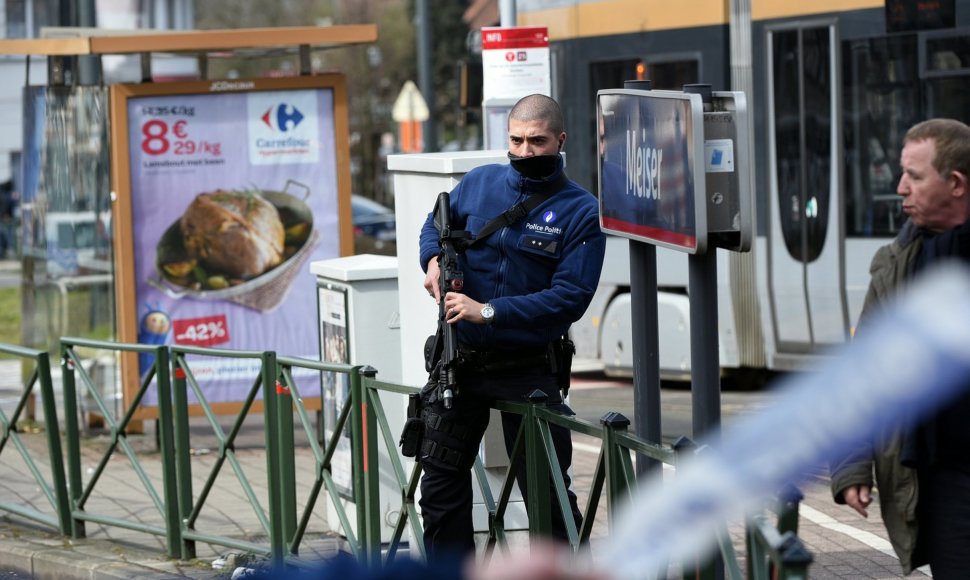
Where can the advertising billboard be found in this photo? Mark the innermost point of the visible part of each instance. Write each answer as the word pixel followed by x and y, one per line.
pixel 651 169
pixel 226 191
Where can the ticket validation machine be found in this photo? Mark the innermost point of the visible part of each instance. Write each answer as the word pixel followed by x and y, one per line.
pixel 730 210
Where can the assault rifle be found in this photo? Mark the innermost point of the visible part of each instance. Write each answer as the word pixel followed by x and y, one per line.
pixel 451 243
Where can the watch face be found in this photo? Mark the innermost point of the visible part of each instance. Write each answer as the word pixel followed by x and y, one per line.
pixel 488 312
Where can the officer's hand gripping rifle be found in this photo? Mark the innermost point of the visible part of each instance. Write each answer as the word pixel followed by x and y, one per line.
pixel 451 279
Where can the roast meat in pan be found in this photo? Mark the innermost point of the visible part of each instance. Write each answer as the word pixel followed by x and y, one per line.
pixel 236 233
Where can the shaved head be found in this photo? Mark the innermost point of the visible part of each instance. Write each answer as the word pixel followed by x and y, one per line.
pixel 538 108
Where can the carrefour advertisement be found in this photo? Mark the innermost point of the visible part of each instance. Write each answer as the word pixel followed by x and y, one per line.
pixel 231 193
pixel 651 174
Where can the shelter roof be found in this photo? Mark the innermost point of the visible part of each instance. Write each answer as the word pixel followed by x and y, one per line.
pixel 95 41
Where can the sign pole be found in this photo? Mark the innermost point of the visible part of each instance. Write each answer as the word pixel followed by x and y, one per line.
pixel 705 361
pixel 646 329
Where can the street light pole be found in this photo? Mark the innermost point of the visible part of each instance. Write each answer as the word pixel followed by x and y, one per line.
pixel 426 73
pixel 88 70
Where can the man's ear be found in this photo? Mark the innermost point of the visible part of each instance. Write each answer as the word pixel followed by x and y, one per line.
pixel 961 185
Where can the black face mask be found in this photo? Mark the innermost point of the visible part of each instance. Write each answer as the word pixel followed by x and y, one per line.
pixel 535 167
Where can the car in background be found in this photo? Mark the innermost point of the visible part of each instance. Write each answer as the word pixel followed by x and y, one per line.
pixel 375 227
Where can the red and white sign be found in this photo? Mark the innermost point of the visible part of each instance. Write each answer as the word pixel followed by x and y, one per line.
pixel 515 62
pixel 204 331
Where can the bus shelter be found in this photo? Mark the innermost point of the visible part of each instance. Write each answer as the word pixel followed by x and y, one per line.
pixel 114 174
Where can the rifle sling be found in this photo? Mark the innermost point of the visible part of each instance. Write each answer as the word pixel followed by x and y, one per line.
pixel 516 212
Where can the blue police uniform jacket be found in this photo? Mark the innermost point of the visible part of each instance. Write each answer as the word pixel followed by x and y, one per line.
pixel 539 273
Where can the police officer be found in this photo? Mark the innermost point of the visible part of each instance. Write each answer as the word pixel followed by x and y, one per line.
pixel 524 284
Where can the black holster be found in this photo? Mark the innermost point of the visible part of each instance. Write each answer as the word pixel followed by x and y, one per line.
pixel 433 347
pixel 413 432
pixel 562 352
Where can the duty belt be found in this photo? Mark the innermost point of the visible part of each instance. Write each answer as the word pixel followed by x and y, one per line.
pixel 539 359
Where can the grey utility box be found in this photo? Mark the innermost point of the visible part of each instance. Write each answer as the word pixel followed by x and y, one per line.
pixel 359 323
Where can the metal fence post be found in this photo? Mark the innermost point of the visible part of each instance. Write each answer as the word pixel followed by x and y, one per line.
pixel 366 468
pixel 287 473
pixel 183 450
pixel 616 483
pixel 273 453
pixel 58 477
pixel 538 502
pixel 163 383
pixel 795 558
pixel 684 447
pixel 789 500
pixel 73 438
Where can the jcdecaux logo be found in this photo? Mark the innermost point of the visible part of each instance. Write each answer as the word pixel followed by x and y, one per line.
pixel 282 117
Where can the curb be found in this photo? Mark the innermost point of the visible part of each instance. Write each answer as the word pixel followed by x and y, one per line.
pixel 40 554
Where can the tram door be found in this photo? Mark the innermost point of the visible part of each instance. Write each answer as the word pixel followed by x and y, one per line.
pixel 805 237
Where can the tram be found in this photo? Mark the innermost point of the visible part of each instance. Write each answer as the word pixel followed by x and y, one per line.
pixel 832 87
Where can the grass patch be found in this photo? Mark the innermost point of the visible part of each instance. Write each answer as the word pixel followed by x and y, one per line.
pixel 88 314
pixel 10 316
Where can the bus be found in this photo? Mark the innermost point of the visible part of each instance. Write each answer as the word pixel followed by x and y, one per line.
pixel 832 86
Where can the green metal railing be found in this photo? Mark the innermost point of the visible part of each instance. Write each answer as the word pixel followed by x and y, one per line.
pixel 191 506
pixel 407 481
pixel 772 551
pixel 55 488
pixel 80 492
pixel 769 549
pixel 775 552
pixel 297 523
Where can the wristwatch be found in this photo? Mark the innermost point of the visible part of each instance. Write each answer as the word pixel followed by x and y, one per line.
pixel 488 313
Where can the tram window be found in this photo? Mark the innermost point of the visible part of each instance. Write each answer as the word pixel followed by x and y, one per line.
pixel 672 75
pixel 947 54
pixel 612 74
pixel 882 100
pixel 947 84
pixel 801 92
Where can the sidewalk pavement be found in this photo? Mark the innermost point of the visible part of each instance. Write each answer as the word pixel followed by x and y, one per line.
pixel 108 552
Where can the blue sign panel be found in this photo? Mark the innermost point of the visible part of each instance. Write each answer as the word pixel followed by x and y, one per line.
pixel 651 167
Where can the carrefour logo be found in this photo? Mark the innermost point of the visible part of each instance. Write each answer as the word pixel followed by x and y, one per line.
pixel 284 126
pixel 282 117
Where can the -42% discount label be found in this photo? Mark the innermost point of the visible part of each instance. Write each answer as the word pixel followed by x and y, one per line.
pixel 206 331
